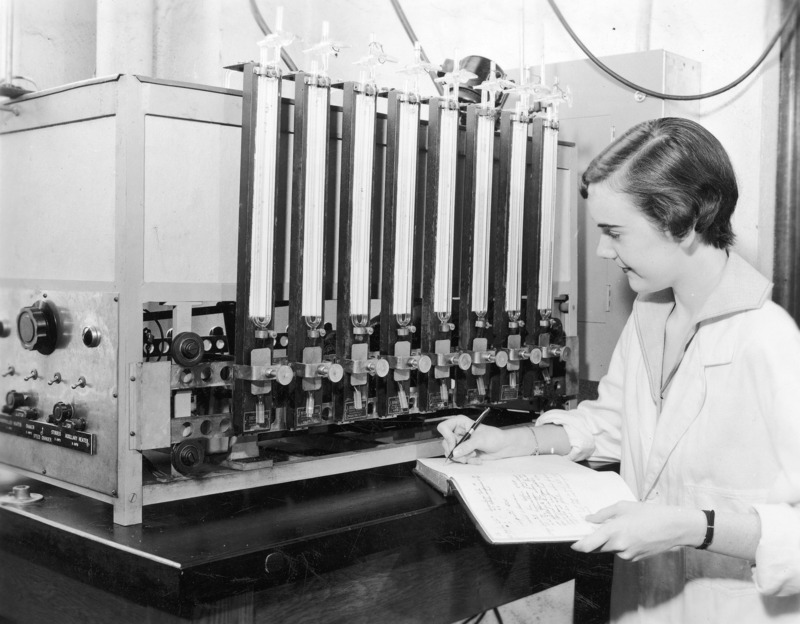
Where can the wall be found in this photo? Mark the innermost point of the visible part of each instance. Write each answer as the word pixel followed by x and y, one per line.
pixel 60 41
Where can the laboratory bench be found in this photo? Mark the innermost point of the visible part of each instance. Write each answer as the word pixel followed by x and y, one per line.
pixel 377 545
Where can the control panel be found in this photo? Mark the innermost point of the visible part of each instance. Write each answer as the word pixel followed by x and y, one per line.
pixel 58 379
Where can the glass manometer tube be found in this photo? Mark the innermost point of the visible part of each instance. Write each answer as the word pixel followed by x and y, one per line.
pixel 483 207
pixel 263 209
pixel 405 206
pixel 314 209
pixel 516 204
pixel 550 148
pixel 362 209
pixel 443 269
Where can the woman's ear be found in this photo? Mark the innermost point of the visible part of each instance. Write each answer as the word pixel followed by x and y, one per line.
pixel 690 241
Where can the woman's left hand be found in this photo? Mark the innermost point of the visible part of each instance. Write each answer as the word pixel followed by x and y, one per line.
pixel 639 530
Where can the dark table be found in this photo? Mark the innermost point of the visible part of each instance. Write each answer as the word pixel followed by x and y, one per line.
pixel 378 545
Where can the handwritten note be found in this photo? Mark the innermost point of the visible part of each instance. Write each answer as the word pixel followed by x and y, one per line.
pixel 511 508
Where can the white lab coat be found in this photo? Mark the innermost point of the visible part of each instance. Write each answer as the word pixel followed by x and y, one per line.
pixel 726 436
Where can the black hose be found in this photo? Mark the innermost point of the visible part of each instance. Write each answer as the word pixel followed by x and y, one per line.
pixel 788 25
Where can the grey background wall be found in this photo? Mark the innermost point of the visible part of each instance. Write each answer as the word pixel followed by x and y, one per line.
pixel 61 41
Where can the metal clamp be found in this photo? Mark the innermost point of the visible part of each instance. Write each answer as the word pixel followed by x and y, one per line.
pixel 317 370
pixel 462 359
pixel 562 352
pixel 372 366
pixel 532 354
pixel 281 373
pixel 422 363
pixel 499 357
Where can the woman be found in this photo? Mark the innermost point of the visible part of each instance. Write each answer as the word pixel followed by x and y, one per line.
pixel 699 403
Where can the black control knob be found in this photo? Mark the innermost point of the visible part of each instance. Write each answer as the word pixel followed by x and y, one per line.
pixel 76 424
pixel 187 349
pixel 15 399
pixel 31 413
pixel 62 412
pixel 188 456
pixel 37 328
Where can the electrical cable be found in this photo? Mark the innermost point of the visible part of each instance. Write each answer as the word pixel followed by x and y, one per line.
pixel 262 24
pixel 788 25
pixel 161 332
pixel 401 15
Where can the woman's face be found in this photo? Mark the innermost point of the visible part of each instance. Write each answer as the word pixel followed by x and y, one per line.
pixel 651 259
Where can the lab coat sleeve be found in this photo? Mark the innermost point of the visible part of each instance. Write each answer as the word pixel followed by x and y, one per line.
pixel 594 427
pixel 775 361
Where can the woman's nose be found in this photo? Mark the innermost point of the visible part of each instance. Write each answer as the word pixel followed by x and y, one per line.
pixel 604 249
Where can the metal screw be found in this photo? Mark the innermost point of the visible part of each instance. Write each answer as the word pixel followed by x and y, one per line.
pixel 133 434
pixel 44 295
pixel 44 472
pixel 116 298
pixel 113 492
pixel 114 394
pixel 133 377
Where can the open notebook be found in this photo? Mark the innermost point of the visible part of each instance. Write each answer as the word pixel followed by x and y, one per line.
pixel 527 499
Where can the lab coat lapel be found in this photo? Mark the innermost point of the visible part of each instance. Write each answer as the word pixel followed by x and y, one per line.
pixel 679 410
pixel 741 288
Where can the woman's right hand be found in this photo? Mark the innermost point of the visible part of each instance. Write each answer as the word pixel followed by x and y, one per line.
pixel 485 443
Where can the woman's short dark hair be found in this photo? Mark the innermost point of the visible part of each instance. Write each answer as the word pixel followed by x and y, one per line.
pixel 677 173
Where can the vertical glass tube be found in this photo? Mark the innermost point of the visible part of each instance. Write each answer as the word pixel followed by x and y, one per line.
pixel 445 213
pixel 364 145
pixel 8 74
pixel 483 206
pixel 516 204
pixel 547 233
pixel 405 203
pixel 263 209
pixel 314 209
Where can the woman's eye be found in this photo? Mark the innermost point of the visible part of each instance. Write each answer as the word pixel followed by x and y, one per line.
pixel 611 234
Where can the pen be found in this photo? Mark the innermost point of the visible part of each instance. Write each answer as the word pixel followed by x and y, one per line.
pixel 469 432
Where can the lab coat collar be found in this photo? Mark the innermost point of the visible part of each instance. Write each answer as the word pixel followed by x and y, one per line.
pixel 740 288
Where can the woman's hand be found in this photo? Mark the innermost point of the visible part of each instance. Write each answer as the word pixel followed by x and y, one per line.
pixel 485 442
pixel 639 530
